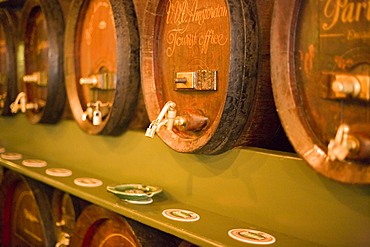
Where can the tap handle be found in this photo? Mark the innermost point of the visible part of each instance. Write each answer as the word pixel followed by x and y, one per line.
pixel 171 115
pixel 156 124
pixel 150 131
pixel 19 103
pixel 342 144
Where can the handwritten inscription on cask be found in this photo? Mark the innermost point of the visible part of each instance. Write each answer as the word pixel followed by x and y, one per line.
pixel 96 20
pixel 345 18
pixel 187 26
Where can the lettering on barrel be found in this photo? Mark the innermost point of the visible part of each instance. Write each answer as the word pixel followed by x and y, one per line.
pixel 97 9
pixel 26 219
pixel 182 14
pixel 337 14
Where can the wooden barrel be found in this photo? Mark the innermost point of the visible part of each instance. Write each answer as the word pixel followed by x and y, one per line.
pixel 25 212
pixel 42 35
pixel 102 65
pixel 97 226
pixel 149 236
pixel 211 58
pixel 8 60
pixel 65 208
pixel 320 53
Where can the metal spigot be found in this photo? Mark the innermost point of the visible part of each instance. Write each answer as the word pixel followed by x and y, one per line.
pixel 347 85
pixel 342 144
pixel 38 78
pixel 88 113
pixel 168 120
pixel 97 117
pixel 103 81
pixel 94 113
pixel 64 241
pixel 20 103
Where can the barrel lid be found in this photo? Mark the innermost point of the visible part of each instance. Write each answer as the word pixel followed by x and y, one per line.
pixel 43 94
pixel 8 58
pixel 208 66
pixel 26 216
pixel 320 67
pixel 103 228
pixel 102 57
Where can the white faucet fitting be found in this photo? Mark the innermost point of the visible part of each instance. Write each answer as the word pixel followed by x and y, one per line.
pixel 170 120
pixel 342 144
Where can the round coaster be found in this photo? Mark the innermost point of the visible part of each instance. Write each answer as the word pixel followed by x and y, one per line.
pixel 34 163
pixel 58 172
pixel 11 156
pixel 181 215
pixel 251 236
pixel 145 201
pixel 2 150
pixel 88 182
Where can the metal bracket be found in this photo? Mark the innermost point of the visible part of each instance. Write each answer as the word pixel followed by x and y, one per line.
pixel 103 81
pixel 38 78
pixel 342 86
pixel 202 80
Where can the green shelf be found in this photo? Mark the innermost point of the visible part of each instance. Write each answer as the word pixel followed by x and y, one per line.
pixel 210 230
pixel 274 192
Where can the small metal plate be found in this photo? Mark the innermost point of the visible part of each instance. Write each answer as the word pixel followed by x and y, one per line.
pixel 200 80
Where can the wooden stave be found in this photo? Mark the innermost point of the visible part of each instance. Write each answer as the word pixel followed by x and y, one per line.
pixel 242 119
pixel 40 193
pixel 56 94
pixel 10 23
pixel 298 130
pixel 124 106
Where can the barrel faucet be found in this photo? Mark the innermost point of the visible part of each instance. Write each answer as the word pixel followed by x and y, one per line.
pixel 169 121
pixel 20 103
pixel 64 241
pixel 94 112
pixel 342 144
pixel 38 78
